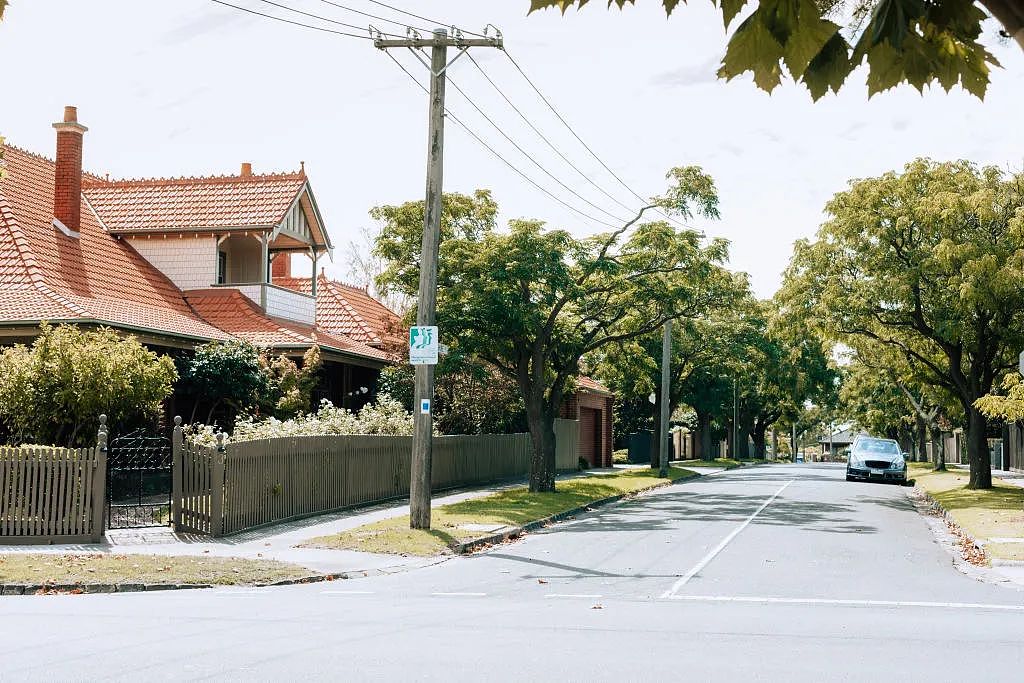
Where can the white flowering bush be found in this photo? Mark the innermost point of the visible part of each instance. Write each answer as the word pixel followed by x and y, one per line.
pixel 386 416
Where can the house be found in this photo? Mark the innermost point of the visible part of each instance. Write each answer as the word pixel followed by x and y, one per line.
pixel 177 262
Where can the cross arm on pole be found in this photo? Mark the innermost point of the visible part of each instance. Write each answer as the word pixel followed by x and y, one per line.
pixel 385 43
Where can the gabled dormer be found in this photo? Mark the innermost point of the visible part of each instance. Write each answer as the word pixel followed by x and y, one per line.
pixel 221 231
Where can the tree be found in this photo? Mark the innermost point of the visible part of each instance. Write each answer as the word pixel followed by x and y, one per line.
pixel 228 373
pixel 633 368
pixel 533 302
pixel 926 263
pixel 470 396
pixel 916 42
pixel 53 391
pixel 365 266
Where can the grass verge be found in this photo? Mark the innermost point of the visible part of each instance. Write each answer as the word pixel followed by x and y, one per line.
pixel 727 463
pixel 43 568
pixel 475 518
pixel 984 514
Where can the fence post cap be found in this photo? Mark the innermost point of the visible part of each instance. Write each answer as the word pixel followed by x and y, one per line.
pixel 220 441
pixel 177 420
pixel 103 420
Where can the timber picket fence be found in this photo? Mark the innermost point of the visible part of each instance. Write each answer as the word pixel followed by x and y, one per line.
pixel 237 486
pixel 53 495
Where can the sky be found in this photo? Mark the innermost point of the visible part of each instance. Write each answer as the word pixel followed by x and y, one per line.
pixel 192 87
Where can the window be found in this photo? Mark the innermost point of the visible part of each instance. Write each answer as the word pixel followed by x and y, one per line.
pixel 222 267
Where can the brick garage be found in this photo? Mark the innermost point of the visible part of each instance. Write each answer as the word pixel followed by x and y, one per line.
pixel 591 407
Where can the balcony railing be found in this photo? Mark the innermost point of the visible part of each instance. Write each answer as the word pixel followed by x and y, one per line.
pixel 279 302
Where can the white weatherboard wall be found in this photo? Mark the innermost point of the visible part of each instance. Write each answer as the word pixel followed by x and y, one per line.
pixel 189 262
pixel 290 305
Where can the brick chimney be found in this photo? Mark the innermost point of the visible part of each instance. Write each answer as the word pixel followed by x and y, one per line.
pixel 281 266
pixel 246 169
pixel 67 185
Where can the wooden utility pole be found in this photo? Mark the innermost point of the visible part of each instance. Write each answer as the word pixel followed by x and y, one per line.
pixel 666 358
pixel 439 42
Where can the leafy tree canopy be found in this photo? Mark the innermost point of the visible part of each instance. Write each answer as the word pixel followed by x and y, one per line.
pixel 533 302
pixel 925 263
pixel 818 43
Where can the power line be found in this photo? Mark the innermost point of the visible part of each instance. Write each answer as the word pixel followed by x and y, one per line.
pixel 527 155
pixel 422 18
pixel 322 18
pixel 374 16
pixel 505 161
pixel 541 135
pixel 293 23
pixel 585 145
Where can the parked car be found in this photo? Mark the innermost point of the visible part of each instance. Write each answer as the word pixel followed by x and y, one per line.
pixel 873 459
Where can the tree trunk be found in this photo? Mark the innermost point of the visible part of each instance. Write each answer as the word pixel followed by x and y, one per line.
pixel 922 437
pixel 704 447
pixel 977 451
pixel 775 443
pixel 742 446
pixel 759 441
pixel 938 450
pixel 542 440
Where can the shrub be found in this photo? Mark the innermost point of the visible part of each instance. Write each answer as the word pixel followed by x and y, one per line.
pixel 385 417
pixel 54 390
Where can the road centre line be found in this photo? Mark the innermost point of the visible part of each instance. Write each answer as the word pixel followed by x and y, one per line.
pixel 846 602
pixel 671 592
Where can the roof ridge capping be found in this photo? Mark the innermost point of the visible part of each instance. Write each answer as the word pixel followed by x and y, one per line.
pixel 96 183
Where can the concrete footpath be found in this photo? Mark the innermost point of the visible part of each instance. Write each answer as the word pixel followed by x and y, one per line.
pixel 280 541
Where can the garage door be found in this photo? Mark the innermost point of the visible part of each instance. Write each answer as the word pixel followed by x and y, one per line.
pixel 590 424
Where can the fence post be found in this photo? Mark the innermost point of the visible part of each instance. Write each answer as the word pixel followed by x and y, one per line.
pixel 99 483
pixel 177 442
pixel 217 488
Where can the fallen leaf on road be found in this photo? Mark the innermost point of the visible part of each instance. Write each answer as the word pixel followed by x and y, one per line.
pixel 597 607
pixel 541 581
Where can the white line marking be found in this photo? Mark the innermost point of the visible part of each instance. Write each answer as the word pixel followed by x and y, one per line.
pixel 721 546
pixel 855 603
pixel 346 592
pixel 462 595
pixel 573 595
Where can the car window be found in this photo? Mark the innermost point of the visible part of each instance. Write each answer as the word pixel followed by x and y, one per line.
pixel 879 446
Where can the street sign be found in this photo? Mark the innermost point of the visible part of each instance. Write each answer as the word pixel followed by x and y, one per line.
pixel 423 345
pixel 425 406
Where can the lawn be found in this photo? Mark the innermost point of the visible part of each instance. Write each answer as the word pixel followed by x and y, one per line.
pixel 43 568
pixel 478 517
pixel 984 514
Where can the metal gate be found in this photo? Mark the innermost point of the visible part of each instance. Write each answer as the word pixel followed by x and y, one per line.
pixel 138 480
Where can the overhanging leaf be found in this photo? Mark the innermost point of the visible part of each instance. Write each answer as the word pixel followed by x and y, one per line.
pixel 753 48
pixel 829 68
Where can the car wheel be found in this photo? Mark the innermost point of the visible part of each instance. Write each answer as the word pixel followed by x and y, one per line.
pixel 849 478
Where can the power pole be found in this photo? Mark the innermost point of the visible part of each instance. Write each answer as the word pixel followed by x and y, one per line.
pixel 422 441
pixel 666 356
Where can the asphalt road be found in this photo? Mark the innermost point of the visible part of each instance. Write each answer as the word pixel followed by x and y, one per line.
pixel 784 573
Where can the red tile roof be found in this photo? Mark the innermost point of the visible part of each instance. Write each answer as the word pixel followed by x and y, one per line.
pixel 46 275
pixel 350 311
pixel 183 204
pixel 591 385
pixel 232 311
